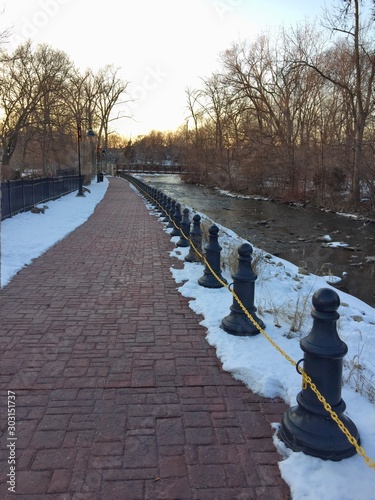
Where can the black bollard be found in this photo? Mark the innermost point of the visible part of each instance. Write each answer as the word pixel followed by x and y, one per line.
pixel 167 209
pixel 237 323
pixel 149 193
pixel 177 219
pixel 196 239
pixel 184 229
pixel 164 204
pixel 212 254
pixel 172 211
pixel 308 427
pixel 154 195
pixel 160 201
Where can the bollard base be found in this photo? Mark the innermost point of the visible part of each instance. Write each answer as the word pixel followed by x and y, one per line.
pixel 193 257
pixel 208 280
pixel 183 243
pixel 317 435
pixel 240 325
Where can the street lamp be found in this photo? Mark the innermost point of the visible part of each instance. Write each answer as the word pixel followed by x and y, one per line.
pixel 90 133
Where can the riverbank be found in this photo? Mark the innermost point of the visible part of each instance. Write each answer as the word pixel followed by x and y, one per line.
pixel 319 241
pixel 340 205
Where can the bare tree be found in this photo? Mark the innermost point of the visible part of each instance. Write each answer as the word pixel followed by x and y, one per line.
pixel 295 110
pixel 27 77
pixel 195 110
pixel 354 79
pixel 45 101
pixel 81 108
pixel 259 73
pixel 110 88
pixel 4 35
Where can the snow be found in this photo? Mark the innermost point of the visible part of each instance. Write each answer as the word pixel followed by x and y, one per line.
pixel 26 236
pixel 336 244
pixel 283 301
pixel 230 194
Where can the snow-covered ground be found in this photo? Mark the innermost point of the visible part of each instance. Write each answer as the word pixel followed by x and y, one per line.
pixel 26 236
pixel 283 298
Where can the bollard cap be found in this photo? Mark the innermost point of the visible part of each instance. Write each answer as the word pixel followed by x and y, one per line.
pixel 326 300
pixel 213 244
pixel 245 250
pixel 196 218
pixel 323 340
pixel 214 230
pixel 244 271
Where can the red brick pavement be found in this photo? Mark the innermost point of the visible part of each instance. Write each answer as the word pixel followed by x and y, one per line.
pixel 118 394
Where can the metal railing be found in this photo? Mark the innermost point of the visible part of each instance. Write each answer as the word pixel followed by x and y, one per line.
pixel 150 168
pixel 23 194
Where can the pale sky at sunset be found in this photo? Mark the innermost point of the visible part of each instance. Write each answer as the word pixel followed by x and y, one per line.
pixel 161 46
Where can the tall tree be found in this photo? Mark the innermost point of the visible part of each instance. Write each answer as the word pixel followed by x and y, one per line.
pixel 354 79
pixel 259 73
pixel 110 88
pixel 27 77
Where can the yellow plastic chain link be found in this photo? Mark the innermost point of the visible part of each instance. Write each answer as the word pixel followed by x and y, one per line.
pixel 306 380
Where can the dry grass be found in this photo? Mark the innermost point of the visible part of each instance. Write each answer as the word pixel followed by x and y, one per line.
pixel 299 315
pixel 229 260
pixel 205 226
pixel 359 376
pixel 294 314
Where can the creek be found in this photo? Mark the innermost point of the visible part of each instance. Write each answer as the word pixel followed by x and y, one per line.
pixel 292 233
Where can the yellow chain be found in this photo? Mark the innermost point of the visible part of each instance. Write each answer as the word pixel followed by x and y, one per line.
pixel 306 379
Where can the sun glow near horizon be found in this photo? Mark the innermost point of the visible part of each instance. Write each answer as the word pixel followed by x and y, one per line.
pixel 160 48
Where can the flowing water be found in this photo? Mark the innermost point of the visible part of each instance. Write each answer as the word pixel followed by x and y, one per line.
pixel 291 233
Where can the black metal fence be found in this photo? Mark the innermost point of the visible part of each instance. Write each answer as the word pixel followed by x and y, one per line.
pixel 23 194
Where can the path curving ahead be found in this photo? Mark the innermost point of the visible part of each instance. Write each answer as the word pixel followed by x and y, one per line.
pixel 118 394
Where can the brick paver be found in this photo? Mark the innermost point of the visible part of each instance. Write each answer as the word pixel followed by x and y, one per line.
pixel 118 394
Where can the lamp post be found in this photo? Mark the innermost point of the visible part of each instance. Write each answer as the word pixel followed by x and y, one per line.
pixel 90 133
pixel 100 153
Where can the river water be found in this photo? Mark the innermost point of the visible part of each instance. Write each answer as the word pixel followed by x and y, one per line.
pixel 292 233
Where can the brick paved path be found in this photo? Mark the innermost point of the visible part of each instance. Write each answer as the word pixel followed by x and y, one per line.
pixel 118 394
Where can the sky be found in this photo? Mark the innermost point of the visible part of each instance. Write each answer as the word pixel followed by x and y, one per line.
pixel 161 47
pixel 278 288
